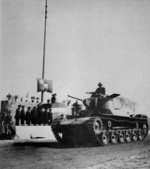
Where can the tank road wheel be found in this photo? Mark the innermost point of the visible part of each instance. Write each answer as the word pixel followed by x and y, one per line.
pixel 134 135
pixel 121 136
pixel 103 138
pixel 140 134
pixel 128 136
pixel 113 137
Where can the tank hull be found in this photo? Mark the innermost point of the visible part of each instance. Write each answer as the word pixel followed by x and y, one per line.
pixel 100 129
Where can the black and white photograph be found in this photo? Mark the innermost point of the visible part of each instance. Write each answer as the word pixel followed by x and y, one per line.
pixel 75 84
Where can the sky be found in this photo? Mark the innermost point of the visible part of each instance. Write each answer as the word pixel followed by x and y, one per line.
pixel 87 42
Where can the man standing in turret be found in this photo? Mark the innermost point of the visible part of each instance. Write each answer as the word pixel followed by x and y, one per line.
pixel 100 89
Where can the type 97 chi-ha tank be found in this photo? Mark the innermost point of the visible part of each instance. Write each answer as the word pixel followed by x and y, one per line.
pixel 97 124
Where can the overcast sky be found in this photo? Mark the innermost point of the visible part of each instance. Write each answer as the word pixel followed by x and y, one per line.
pixel 88 41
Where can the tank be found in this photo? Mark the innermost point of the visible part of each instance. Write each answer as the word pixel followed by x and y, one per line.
pixel 97 124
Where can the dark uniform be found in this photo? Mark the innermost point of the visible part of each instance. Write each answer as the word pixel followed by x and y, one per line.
pixel 45 118
pixel 22 115
pixel 53 99
pixel 2 131
pixel 34 116
pixel 50 116
pixel 17 115
pixel 42 115
pixel 28 116
pixel 100 90
pixel 38 114
pixel 76 108
pixel 40 111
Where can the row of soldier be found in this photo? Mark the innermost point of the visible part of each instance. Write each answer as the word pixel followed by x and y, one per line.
pixel 33 116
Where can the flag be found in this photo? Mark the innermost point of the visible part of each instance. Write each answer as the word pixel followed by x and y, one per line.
pixel 44 85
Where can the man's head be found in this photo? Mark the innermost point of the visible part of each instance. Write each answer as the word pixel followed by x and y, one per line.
pixel 100 84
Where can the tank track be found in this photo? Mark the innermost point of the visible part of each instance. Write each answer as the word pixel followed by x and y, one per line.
pixel 98 132
pixel 72 135
pixel 103 134
pixel 57 133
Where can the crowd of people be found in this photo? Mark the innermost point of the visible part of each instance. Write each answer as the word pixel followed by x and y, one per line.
pixel 38 115
pixel 7 126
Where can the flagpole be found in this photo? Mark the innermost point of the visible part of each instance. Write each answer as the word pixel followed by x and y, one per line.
pixel 44 45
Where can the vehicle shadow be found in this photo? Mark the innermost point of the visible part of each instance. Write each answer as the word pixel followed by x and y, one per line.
pixel 49 144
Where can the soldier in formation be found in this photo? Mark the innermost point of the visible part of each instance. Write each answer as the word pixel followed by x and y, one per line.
pixel 22 116
pixel 28 116
pixel 33 116
pixel 17 115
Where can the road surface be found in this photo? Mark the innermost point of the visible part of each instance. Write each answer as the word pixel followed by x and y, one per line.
pixel 37 154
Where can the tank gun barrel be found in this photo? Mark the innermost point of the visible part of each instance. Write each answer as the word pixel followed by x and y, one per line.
pixel 75 98
pixel 90 92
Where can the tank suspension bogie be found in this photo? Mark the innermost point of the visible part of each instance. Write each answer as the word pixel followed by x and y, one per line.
pixel 140 134
pixel 113 137
pixel 100 131
pixel 121 136
pixel 103 137
pixel 145 129
pixel 128 136
pixel 134 135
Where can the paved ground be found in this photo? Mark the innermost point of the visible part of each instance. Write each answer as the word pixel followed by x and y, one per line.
pixel 38 154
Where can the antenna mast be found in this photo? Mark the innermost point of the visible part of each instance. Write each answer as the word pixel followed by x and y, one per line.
pixel 43 69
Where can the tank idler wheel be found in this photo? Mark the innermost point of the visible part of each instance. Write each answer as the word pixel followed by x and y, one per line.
pixel 97 126
pixel 140 134
pixel 134 135
pixel 128 136
pixel 113 137
pixel 104 138
pixel 121 136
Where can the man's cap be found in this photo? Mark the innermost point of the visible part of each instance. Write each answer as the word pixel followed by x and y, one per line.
pixel 100 84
